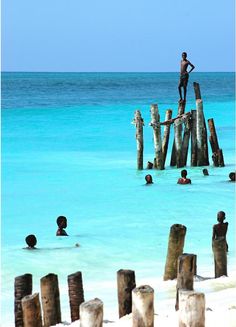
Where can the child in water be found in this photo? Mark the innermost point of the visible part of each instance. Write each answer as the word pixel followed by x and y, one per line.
pixel 148 179
pixel 184 179
pixel 62 224
pixel 31 241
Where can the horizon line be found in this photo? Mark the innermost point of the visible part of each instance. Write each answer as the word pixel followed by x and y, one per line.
pixel 108 72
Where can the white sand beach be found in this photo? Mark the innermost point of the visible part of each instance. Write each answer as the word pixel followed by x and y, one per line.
pixel 220 295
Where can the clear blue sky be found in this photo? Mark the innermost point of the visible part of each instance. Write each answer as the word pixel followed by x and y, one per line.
pixel 117 35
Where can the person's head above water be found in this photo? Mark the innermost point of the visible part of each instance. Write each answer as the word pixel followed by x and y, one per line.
pixel 205 172
pixel 31 241
pixel 62 222
pixel 148 179
pixel 232 177
pixel 184 173
pixel 221 216
pixel 184 55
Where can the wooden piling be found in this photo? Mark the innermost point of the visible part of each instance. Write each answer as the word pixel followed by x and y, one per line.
pixel 185 143
pixel 197 91
pixel 50 300
pixel 143 306
pixel 217 157
pixel 193 138
pixel 125 285
pixel 185 274
pixel 139 123
pixel 191 309
pixel 199 133
pixel 174 155
pixel 22 287
pixel 76 294
pixel 31 311
pixel 175 249
pixel 166 136
pixel 91 313
pixel 155 123
pixel 219 248
pixel 178 143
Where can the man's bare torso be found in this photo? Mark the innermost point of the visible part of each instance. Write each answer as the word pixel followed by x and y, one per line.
pixel 183 66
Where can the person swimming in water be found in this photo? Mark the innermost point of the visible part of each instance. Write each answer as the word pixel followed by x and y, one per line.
pixel 220 229
pixel 148 179
pixel 232 177
pixel 184 75
pixel 205 172
pixel 62 224
pixel 31 241
pixel 184 179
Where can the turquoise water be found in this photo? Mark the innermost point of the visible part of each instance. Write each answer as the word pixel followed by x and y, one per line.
pixel 68 148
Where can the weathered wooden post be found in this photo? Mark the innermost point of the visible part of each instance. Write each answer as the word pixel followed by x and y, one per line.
pixel 217 157
pixel 185 274
pixel 139 123
pixel 22 287
pixel 50 300
pixel 197 91
pixel 143 306
pixel 181 108
pixel 220 257
pixel 31 311
pixel 76 294
pixel 155 123
pixel 91 313
pixel 178 142
pixel 175 249
pixel 125 283
pixel 185 143
pixel 199 133
pixel 166 136
pixel 193 138
pixel 191 309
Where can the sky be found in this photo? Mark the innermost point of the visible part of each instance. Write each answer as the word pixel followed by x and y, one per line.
pixel 117 35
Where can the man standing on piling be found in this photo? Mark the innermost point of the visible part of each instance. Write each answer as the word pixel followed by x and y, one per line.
pixel 184 75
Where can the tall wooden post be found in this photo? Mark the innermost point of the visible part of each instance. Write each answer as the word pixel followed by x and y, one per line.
pixel 220 257
pixel 181 108
pixel 76 294
pixel 217 156
pixel 193 138
pixel 175 249
pixel 139 123
pixel 197 91
pixel 50 300
pixel 191 309
pixel 185 143
pixel 31 311
pixel 126 283
pixel 22 287
pixel 185 274
pixel 155 123
pixel 91 313
pixel 199 133
pixel 166 135
pixel 143 306
pixel 178 142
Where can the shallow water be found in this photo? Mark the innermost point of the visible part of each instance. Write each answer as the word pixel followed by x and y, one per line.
pixel 68 148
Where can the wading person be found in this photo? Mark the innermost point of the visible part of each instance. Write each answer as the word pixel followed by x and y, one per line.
pixel 31 241
pixel 148 179
pixel 184 75
pixel 62 224
pixel 232 177
pixel 184 179
pixel 220 229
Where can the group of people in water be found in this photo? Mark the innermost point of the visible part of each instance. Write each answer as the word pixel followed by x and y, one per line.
pixel 184 180
pixel 31 239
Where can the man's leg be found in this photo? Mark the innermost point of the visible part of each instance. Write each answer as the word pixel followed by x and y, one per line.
pixel 180 93
pixel 185 92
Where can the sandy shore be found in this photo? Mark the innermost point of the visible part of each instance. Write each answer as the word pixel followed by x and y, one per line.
pixel 220 297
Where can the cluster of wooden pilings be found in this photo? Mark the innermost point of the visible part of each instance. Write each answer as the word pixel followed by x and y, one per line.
pixel 131 299
pixel 190 124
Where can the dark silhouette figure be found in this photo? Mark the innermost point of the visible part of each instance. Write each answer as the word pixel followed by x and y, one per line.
pixel 232 177
pixel 205 172
pixel 62 224
pixel 31 241
pixel 148 179
pixel 184 75
pixel 184 179
pixel 220 229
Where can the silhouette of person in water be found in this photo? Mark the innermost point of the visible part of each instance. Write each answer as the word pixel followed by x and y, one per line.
pixel 205 172
pixel 184 179
pixel 184 75
pixel 232 177
pixel 62 224
pixel 148 179
pixel 220 229
pixel 31 241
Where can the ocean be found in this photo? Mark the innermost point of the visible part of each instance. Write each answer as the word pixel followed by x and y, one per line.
pixel 69 148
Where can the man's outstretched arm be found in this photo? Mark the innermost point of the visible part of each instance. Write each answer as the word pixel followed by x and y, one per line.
pixel 192 66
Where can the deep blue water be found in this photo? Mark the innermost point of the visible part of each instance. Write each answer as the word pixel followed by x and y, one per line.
pixel 68 148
